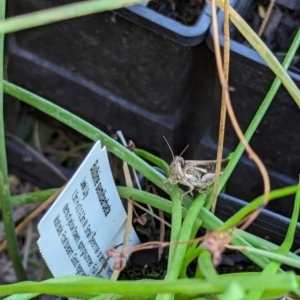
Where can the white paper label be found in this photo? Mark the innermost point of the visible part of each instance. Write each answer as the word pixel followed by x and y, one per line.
pixel 86 220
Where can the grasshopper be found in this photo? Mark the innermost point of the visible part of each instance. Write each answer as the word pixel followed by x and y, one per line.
pixel 195 174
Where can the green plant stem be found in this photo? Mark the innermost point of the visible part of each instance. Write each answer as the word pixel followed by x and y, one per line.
pixel 154 159
pixel 233 292
pixel 274 256
pixel 191 247
pixel 185 264
pixel 206 266
pixel 198 273
pixel 87 287
pixel 273 266
pixel 264 51
pixel 21 297
pixel 176 224
pixel 257 118
pixel 74 150
pixel 258 242
pixel 61 13
pixel 8 221
pixel 120 297
pixel 33 197
pixel 185 234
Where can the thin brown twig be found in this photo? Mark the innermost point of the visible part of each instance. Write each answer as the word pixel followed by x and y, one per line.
pixel 266 19
pixel 231 114
pixel 131 145
pixel 223 105
pixel 135 213
pixel 215 242
pixel 157 244
pixel 34 214
pixel 128 223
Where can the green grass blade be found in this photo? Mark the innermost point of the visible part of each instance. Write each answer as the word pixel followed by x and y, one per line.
pixel 234 292
pixel 8 221
pixel 61 13
pixel 153 159
pixel 176 224
pixel 21 297
pixel 83 286
pixel 206 266
pixel 33 197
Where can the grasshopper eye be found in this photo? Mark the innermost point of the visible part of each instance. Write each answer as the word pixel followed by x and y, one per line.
pixel 182 162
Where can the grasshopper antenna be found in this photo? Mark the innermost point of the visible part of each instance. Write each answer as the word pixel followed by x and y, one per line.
pixel 183 150
pixel 169 146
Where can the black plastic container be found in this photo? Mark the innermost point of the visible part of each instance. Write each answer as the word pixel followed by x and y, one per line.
pixel 131 71
pixel 276 140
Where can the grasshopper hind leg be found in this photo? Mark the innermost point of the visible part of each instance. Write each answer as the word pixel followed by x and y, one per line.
pixel 203 189
pixel 190 191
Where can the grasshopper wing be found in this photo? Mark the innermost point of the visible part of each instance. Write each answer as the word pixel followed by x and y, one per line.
pixel 208 165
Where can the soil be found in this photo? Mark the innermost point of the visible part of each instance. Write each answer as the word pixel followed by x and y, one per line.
pixel 145 265
pixel 280 30
pixel 184 11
